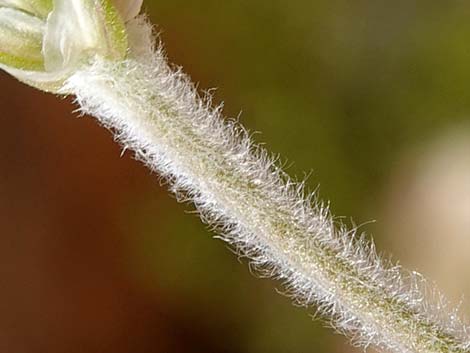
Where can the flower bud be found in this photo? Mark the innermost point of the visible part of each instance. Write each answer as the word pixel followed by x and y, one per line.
pixel 43 42
pixel 38 8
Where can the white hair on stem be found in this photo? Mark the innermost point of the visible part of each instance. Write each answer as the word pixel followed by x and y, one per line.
pixel 239 189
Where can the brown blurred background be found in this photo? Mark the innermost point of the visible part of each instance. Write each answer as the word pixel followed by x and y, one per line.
pixel 372 96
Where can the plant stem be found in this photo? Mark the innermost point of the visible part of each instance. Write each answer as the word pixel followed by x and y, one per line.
pixel 240 190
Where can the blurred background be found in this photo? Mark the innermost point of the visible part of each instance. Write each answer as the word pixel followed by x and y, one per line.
pixel 371 96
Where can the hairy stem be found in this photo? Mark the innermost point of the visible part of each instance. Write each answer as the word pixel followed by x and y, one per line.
pixel 240 190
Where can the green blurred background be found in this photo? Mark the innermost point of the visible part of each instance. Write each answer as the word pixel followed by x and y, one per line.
pixel 371 97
